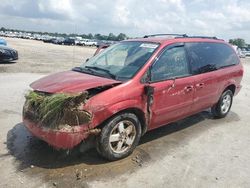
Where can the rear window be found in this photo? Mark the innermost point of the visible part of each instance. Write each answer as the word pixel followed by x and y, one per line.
pixel 205 57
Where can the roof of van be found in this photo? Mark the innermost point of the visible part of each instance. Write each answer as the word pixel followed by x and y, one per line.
pixel 170 39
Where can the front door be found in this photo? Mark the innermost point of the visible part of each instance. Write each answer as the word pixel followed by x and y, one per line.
pixel 173 87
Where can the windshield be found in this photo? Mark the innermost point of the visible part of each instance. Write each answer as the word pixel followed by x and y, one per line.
pixel 121 61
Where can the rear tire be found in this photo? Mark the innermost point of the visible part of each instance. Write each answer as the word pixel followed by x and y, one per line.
pixel 221 109
pixel 119 137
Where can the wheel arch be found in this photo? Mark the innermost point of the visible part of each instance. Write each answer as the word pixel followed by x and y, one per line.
pixel 137 111
pixel 231 87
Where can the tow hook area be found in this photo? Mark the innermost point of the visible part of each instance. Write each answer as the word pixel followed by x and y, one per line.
pixel 95 131
pixel 89 143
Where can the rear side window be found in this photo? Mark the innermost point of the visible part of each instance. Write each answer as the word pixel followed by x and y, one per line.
pixel 206 57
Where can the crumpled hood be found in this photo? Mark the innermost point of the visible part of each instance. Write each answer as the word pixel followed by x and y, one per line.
pixel 70 82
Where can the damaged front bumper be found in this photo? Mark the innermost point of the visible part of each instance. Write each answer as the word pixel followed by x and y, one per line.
pixel 65 138
pixel 57 119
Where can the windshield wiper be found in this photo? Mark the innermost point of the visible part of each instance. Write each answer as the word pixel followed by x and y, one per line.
pixel 80 69
pixel 89 70
pixel 101 69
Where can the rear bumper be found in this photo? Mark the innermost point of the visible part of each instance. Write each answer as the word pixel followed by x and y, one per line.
pixel 59 139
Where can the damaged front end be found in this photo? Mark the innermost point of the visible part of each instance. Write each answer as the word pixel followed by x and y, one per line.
pixel 58 118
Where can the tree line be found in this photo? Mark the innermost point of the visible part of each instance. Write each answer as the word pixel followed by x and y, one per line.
pixel 239 42
pixel 97 36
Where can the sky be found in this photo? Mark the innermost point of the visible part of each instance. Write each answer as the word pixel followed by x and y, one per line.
pixel 222 18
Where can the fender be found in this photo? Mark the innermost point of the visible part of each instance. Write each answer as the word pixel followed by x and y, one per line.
pixel 228 83
pixel 103 112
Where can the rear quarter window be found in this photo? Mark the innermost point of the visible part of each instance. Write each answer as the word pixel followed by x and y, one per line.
pixel 206 57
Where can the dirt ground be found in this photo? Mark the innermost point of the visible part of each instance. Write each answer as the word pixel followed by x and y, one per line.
pixel 40 57
pixel 198 151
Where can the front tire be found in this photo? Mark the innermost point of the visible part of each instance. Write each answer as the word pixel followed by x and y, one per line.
pixel 221 109
pixel 119 136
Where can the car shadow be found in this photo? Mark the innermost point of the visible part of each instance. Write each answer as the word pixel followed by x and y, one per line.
pixel 8 62
pixel 176 126
pixel 29 150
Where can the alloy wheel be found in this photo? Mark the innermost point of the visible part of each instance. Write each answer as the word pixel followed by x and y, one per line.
pixel 122 136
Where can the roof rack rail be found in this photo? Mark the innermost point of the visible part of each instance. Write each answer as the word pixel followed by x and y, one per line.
pixel 202 37
pixel 174 35
pixel 182 36
pixel 205 37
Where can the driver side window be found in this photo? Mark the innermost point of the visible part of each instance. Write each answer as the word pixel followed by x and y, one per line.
pixel 171 63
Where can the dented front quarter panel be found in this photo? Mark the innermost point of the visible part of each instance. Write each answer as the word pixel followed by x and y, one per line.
pixel 102 106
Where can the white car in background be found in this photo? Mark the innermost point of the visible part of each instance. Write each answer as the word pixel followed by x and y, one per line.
pixel 240 52
pixel 88 42
pixel 246 51
pixel 85 42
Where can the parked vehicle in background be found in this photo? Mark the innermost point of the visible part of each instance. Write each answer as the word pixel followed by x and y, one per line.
pixel 48 39
pixel 58 40
pixel 88 42
pixel 3 42
pixel 246 51
pixel 68 41
pixel 135 86
pixel 7 54
pixel 78 42
pixel 240 53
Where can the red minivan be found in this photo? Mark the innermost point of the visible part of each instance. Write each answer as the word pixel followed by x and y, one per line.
pixel 141 84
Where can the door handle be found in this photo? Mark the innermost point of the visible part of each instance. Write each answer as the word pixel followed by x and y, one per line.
pixel 200 85
pixel 188 88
